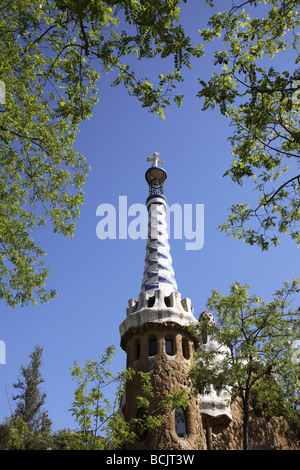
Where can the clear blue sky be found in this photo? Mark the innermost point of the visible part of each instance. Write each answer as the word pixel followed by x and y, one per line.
pixel 96 278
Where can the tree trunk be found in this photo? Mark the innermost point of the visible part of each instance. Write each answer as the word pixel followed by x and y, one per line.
pixel 246 423
pixel 209 436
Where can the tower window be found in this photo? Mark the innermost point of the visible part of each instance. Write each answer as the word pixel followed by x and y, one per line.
pixel 204 338
pixel 169 301
pixel 151 301
pixel 169 346
pixel 180 422
pixel 185 349
pixel 137 351
pixel 152 346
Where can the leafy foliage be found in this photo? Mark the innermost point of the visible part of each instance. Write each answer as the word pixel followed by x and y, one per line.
pixel 16 435
pixel 255 356
pixel 101 423
pixel 52 54
pixel 90 408
pixel 31 400
pixel 252 88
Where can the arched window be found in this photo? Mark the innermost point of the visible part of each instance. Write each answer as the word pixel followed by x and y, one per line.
pixel 180 422
pixel 204 337
pixel 185 349
pixel 152 346
pixel 169 346
pixel 151 301
pixel 137 350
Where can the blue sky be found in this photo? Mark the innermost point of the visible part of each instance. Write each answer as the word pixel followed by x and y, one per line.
pixel 96 278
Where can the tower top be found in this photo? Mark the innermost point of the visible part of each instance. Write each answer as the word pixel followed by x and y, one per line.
pixel 155 176
pixel 159 300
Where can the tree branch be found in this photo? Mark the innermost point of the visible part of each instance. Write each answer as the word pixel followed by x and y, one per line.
pixel 277 191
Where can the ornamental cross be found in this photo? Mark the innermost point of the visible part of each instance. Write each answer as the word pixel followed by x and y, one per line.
pixel 155 159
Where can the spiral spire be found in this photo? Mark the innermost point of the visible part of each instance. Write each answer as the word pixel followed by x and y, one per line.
pixel 158 272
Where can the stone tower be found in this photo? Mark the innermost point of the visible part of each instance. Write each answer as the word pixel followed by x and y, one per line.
pixel 156 339
pixel 155 333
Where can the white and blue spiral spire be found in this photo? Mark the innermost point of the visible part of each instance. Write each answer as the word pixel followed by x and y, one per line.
pixel 159 300
pixel 158 272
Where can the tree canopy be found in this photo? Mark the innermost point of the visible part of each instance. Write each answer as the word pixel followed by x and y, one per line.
pixel 52 54
pixel 255 84
pixel 30 398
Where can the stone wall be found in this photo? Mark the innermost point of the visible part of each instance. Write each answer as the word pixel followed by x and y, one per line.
pixel 264 434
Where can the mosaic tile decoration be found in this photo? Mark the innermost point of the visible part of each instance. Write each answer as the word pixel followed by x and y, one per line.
pixel 158 272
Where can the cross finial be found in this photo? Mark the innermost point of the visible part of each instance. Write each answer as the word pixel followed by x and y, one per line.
pixel 155 160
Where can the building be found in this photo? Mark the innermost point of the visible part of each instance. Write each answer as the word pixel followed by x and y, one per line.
pixel 156 339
